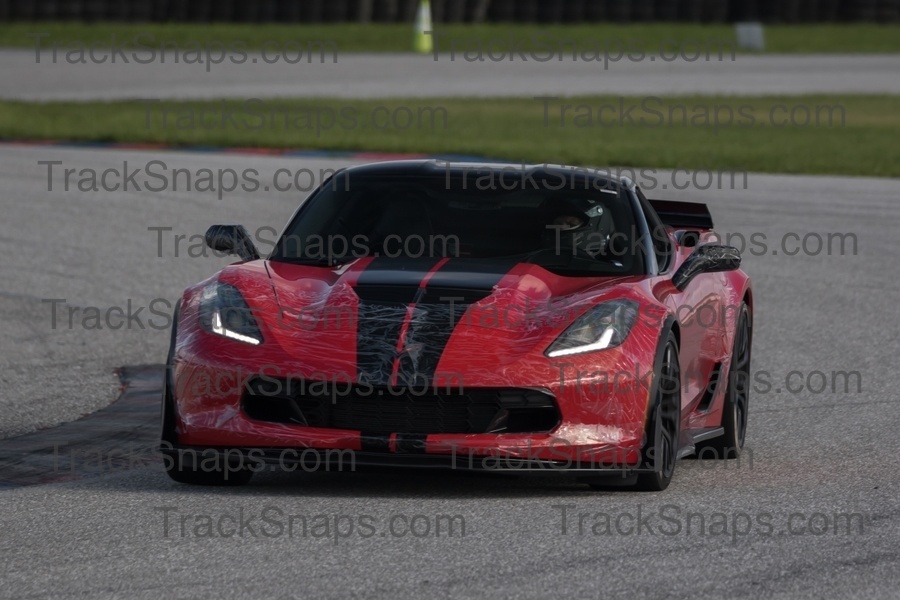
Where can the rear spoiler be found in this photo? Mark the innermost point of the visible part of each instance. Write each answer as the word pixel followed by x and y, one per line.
pixel 683 214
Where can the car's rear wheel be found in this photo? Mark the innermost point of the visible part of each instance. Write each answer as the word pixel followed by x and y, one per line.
pixel 660 452
pixel 737 396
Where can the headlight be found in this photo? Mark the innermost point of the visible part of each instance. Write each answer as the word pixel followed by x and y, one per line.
pixel 604 326
pixel 224 311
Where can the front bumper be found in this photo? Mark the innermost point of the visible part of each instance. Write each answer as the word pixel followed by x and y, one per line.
pixel 601 398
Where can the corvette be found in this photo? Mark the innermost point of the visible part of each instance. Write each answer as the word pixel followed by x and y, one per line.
pixel 473 316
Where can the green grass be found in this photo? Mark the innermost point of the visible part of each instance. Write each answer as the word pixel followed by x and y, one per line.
pixel 861 139
pixel 398 37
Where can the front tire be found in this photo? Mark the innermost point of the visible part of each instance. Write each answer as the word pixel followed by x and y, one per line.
pixel 660 451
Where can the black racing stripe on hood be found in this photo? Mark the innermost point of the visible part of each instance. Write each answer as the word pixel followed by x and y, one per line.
pixel 429 331
pixel 471 273
pixel 448 294
pixel 388 286
pixel 393 279
pixel 385 289
pixel 378 328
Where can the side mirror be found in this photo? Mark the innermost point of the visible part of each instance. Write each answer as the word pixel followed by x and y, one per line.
pixel 708 258
pixel 231 239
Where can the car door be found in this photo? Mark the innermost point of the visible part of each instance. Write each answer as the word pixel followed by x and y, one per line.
pixel 696 309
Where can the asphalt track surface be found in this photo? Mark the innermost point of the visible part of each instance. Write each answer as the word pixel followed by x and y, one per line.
pixel 408 75
pixel 103 533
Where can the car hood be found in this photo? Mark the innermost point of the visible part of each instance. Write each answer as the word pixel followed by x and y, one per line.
pixel 460 283
pixel 389 316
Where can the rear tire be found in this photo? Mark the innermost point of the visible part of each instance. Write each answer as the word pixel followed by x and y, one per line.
pixel 737 397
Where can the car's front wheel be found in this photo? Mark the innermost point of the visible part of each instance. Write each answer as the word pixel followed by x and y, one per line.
pixel 660 451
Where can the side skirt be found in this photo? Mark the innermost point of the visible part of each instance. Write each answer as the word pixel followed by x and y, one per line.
pixel 696 436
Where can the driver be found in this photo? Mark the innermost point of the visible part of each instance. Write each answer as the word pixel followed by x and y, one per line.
pixel 573 231
pixel 568 221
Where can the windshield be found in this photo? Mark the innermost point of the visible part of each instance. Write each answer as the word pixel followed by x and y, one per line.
pixel 576 230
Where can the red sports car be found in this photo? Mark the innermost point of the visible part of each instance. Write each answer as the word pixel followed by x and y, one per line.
pixel 471 316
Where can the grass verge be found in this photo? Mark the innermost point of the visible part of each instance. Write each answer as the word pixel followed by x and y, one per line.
pixel 821 134
pixel 689 38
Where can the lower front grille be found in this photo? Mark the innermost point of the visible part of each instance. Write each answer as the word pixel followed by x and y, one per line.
pixel 385 410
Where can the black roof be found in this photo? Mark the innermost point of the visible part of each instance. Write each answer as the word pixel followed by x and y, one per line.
pixel 598 179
